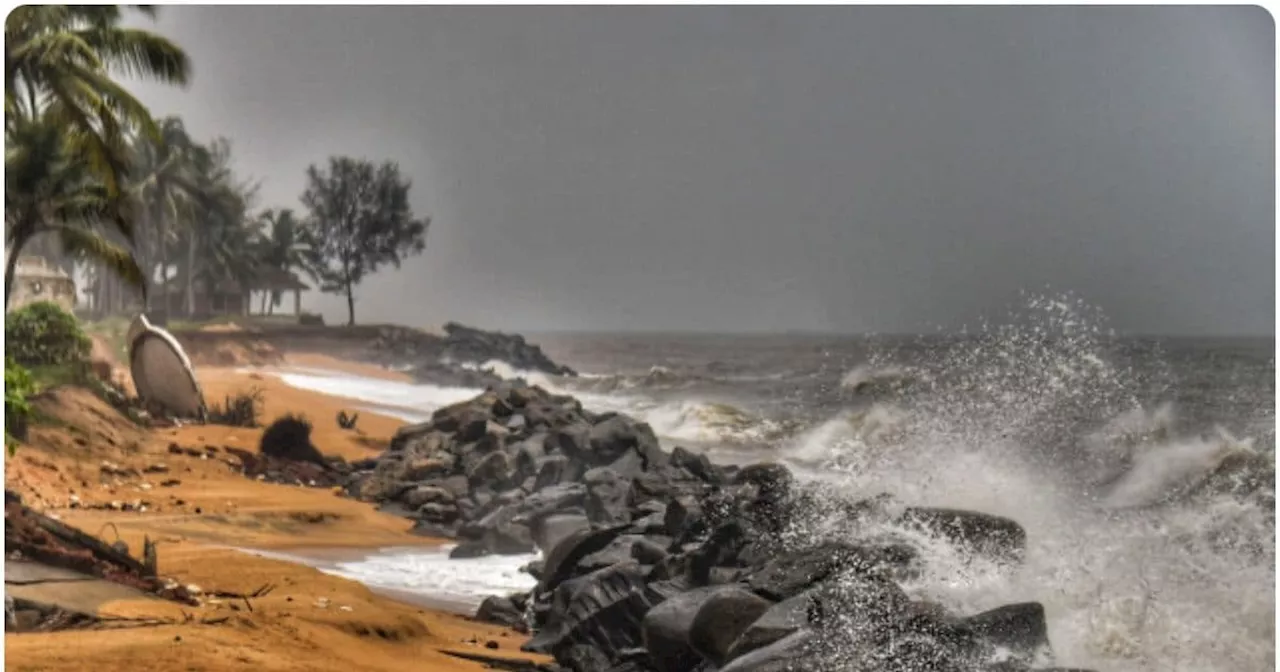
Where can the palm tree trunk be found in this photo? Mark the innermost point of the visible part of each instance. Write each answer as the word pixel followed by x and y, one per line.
pixel 191 263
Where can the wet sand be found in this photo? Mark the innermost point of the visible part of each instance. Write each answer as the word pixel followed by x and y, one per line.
pixel 310 620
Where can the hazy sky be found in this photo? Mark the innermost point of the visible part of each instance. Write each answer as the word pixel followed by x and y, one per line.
pixel 769 169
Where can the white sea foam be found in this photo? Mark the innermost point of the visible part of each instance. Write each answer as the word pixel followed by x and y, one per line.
pixel 1179 583
pixel 428 573
pixel 407 401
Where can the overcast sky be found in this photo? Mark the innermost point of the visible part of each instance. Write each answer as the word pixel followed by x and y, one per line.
pixel 771 169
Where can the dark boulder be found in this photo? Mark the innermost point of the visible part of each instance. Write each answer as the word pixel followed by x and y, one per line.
pixel 500 611
pixel 780 620
pixel 555 470
pixel 983 533
pixel 564 555
pixel 606 500
pixel 550 531
pixel 604 610
pixel 1020 628
pixel 794 653
pixel 666 628
pixel 790 574
pixel 721 619
pixel 492 469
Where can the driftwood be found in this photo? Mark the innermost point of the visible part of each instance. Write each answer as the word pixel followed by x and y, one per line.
pixel 37 537
pixel 262 591
pixel 347 421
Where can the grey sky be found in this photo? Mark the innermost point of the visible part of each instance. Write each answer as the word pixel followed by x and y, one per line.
pixel 753 168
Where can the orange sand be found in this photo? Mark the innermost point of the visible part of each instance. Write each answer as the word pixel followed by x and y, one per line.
pixel 310 621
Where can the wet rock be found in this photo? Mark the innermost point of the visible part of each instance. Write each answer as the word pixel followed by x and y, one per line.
pixel 983 533
pixel 501 611
pixel 777 622
pixel 666 629
pixel 787 654
pixel 1020 628
pixel 604 611
pixel 606 496
pixel 721 619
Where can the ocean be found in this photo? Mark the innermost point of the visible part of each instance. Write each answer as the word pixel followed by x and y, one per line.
pixel 1093 442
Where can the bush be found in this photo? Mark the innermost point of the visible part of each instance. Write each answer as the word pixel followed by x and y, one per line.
pixel 42 334
pixel 289 438
pixel 18 388
pixel 241 410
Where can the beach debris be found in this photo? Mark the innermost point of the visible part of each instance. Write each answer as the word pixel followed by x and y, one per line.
pixel 345 608
pixel 289 438
pixel 161 371
pixel 36 537
pixel 156 468
pixel 347 421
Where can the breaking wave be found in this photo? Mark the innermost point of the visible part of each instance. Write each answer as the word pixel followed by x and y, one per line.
pixel 1150 549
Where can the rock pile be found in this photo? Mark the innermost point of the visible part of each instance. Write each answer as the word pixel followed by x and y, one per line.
pixel 666 562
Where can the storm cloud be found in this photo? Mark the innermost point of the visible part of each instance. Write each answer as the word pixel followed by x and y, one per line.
pixel 772 169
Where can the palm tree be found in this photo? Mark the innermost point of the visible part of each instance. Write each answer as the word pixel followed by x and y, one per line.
pixel 282 246
pixel 58 61
pixel 163 186
pixel 66 128
pixel 51 188
pixel 218 227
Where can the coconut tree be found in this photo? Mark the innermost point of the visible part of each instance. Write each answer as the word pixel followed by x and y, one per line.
pixel 59 60
pixel 282 246
pixel 219 241
pixel 163 185
pixel 67 122
pixel 52 189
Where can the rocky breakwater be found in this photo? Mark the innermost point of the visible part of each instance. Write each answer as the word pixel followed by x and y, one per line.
pixel 457 357
pixel 666 562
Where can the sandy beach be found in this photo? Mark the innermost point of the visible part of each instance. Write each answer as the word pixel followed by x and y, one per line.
pixel 199 508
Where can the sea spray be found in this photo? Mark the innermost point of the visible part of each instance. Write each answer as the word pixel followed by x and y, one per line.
pixel 1023 420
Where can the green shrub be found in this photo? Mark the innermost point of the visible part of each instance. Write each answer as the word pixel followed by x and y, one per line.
pixel 18 388
pixel 41 334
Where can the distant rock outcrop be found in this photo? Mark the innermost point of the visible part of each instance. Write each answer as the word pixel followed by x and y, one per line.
pixel 458 357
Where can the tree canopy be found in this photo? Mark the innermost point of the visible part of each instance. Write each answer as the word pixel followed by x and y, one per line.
pixel 358 219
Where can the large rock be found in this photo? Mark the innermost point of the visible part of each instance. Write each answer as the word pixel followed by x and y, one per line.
pixel 604 611
pixel 722 619
pixel 606 496
pixel 1018 628
pixel 793 653
pixel 666 628
pixel 778 621
pixel 551 531
pixel 789 575
pixel 994 536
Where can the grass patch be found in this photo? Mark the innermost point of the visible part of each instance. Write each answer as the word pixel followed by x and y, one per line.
pixel 241 410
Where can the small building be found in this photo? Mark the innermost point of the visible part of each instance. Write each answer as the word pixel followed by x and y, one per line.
pixel 227 297
pixel 35 279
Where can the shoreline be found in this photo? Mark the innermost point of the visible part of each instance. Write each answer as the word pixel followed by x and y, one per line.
pixel 208 521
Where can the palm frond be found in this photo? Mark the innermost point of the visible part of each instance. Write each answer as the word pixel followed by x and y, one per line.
pixel 141 54
pixel 86 242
